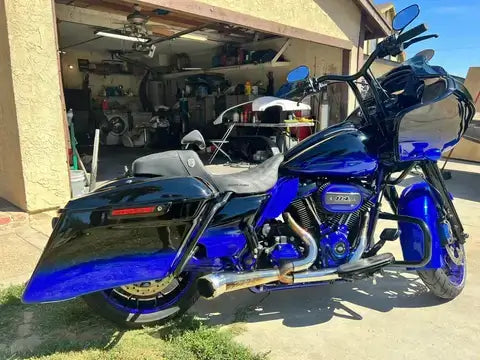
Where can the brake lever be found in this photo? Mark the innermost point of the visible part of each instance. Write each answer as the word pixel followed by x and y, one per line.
pixel 313 88
pixel 406 44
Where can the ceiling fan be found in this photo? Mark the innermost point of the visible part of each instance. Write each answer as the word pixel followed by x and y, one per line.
pixel 134 29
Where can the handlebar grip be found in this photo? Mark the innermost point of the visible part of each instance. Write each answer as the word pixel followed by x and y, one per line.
pixel 410 34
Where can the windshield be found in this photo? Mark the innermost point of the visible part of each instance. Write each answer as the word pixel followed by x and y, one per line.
pixel 421 68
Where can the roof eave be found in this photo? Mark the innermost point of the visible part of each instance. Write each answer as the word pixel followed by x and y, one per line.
pixel 376 24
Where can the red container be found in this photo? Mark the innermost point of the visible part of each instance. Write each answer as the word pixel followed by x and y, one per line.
pixel 303 132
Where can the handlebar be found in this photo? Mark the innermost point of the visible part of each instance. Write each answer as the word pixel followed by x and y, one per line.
pixel 410 34
pixel 392 45
pixel 406 44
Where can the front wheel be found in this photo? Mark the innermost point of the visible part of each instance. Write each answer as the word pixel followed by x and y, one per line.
pixel 448 281
pixel 146 303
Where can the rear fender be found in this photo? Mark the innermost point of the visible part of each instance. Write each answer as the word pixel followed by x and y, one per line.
pixel 418 200
pixel 92 249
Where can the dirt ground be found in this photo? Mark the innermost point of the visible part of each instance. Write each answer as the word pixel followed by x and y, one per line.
pixel 391 317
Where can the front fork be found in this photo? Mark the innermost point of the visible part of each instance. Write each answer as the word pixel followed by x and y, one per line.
pixel 434 177
pixel 434 195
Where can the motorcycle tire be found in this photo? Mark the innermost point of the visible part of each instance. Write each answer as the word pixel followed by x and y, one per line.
pixel 106 305
pixel 443 282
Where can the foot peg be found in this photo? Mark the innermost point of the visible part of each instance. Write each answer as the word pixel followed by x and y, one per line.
pixel 364 267
pixel 390 234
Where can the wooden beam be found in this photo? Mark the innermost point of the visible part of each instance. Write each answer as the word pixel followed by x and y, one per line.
pixel 216 13
pixel 281 51
pixel 91 17
pixel 380 27
pixel 176 35
pixel 126 8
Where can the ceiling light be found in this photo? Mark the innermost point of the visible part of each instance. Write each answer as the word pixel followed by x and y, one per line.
pixel 121 36
pixel 194 37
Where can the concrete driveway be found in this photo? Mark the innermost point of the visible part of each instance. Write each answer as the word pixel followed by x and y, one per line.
pixel 391 317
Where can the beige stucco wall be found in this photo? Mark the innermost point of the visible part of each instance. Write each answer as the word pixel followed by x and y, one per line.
pixel 322 16
pixel 11 174
pixel 472 82
pixel 34 108
pixel 466 149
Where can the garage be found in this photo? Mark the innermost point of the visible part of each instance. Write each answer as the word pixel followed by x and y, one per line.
pixel 146 76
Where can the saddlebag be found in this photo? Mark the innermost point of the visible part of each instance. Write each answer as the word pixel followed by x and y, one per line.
pixel 127 231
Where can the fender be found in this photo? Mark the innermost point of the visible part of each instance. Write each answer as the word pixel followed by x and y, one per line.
pixel 418 200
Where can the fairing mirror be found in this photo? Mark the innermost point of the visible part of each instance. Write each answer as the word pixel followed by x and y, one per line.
pixel 426 54
pixel 405 17
pixel 298 74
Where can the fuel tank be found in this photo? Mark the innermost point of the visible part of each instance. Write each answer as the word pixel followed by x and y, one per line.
pixel 339 150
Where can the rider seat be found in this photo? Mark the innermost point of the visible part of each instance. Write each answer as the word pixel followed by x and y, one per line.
pixel 187 163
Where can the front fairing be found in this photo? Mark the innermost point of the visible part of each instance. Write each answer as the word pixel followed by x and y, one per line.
pixel 421 68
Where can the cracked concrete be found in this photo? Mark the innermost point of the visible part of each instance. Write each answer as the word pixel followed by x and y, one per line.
pixel 21 247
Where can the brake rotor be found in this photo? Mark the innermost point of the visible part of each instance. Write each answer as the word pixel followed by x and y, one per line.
pixel 453 249
pixel 455 253
pixel 149 288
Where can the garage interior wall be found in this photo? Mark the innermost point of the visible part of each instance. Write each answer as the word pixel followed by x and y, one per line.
pixel 73 77
pixel 339 18
pixel 319 58
pixel 33 159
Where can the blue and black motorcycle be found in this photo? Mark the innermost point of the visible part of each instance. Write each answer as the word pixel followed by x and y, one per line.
pixel 140 250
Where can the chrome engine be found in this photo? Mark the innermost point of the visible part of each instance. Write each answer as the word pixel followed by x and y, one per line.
pixel 332 213
pixel 310 245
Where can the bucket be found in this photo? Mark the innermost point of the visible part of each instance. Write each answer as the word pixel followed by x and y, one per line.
pixel 77 182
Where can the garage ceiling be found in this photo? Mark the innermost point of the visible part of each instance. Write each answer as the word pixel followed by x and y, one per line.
pixel 74 33
pixel 162 24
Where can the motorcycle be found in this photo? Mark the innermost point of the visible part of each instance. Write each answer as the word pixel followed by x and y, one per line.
pixel 141 250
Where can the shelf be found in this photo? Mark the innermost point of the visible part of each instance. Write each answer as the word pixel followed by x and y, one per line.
pixel 117 96
pixel 224 69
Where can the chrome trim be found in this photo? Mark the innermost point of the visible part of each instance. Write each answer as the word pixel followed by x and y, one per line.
pixel 362 240
pixel 213 285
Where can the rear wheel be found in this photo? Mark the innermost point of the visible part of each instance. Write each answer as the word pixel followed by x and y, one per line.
pixel 448 281
pixel 146 303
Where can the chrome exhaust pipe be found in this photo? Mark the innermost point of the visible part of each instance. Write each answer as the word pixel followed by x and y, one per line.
pixel 295 272
pixel 329 274
pixel 213 285
pixel 362 239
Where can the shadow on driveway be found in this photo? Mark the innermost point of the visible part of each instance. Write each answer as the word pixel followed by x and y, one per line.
pixel 316 305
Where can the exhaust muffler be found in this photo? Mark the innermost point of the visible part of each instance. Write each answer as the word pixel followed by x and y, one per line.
pixel 213 285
